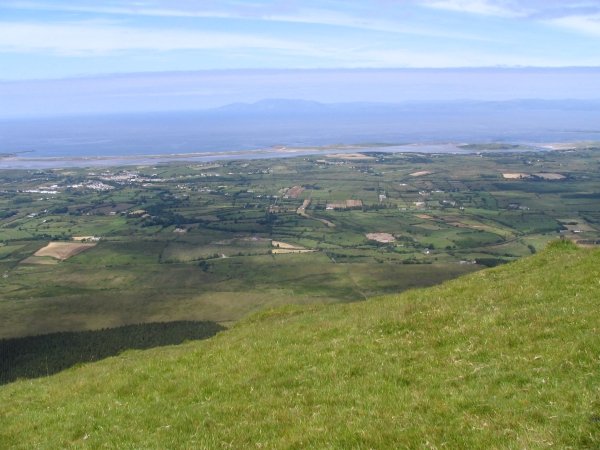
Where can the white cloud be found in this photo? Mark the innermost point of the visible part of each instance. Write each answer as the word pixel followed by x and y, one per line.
pixel 584 24
pixel 471 6
pixel 93 38
pixel 305 15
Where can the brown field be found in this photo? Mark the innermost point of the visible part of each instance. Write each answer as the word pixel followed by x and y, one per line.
pixel 62 250
pixel 336 205
pixel 295 191
pixel 353 203
pixel 515 175
pixel 384 238
pixel 285 245
pixel 421 174
pixel 550 176
pixel 350 156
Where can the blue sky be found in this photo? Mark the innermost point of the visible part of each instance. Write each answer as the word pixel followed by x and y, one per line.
pixel 67 38
pixel 83 56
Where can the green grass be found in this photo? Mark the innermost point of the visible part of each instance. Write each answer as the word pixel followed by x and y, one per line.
pixel 502 358
pixel 120 283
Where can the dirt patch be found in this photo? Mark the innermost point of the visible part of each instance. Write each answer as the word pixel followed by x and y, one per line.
pixel 284 245
pixel 305 204
pixel 550 176
pixel 295 192
pixel 62 250
pixel 421 174
pixel 350 156
pixel 384 238
pixel 280 251
pixel 515 176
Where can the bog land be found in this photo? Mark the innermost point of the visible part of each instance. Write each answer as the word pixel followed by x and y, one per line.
pixel 180 241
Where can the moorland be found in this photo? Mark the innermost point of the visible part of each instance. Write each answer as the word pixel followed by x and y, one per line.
pixel 502 358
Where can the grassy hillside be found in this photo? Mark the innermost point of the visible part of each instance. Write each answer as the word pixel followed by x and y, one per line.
pixel 504 358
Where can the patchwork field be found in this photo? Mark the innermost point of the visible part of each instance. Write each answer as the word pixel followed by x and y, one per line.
pixel 180 242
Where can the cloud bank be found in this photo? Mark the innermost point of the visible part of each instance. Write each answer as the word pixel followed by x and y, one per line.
pixel 208 89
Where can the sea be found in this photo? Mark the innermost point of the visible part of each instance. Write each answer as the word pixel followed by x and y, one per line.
pixel 213 135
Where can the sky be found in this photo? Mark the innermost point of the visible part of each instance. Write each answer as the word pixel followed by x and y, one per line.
pixel 112 42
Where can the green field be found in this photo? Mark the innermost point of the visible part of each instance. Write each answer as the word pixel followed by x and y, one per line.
pixel 191 241
pixel 502 358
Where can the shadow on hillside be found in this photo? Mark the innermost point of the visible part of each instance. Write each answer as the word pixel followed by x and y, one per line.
pixel 43 355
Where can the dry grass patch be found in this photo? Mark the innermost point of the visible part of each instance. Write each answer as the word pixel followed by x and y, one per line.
pixel 280 244
pixel 280 251
pixel 515 176
pixel 421 174
pixel 384 238
pixel 550 176
pixel 62 250
pixel 295 191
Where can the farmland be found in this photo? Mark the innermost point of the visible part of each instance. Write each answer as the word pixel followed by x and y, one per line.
pixel 218 241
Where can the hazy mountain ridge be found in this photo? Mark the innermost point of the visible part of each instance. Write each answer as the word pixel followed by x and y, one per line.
pixel 277 105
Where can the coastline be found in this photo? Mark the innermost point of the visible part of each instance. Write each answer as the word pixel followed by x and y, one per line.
pixel 17 162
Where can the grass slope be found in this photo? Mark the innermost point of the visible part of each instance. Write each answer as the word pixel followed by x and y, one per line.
pixel 504 358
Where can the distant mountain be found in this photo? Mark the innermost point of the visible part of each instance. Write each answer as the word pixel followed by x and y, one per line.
pixel 276 105
pixel 308 106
